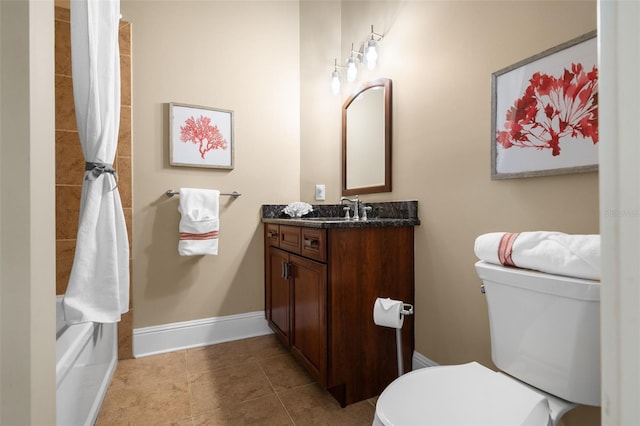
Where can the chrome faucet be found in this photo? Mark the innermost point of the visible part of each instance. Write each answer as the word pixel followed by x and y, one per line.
pixel 356 207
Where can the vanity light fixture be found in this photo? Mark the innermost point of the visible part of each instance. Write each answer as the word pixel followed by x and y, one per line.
pixel 371 49
pixel 371 54
pixel 368 52
pixel 335 78
pixel 352 64
pixel 352 70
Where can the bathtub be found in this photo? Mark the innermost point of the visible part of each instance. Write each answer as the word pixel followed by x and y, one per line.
pixel 86 355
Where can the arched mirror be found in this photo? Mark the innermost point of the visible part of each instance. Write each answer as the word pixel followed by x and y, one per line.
pixel 366 139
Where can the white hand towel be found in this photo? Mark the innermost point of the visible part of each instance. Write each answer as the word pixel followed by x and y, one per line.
pixel 199 222
pixel 551 252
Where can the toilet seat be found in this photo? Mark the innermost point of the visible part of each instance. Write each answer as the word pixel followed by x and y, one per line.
pixel 467 394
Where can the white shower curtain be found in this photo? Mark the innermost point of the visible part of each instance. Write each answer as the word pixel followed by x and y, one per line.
pixel 98 289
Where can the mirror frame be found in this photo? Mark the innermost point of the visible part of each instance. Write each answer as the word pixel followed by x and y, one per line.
pixel 386 187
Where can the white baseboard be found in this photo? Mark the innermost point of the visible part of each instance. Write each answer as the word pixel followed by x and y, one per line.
pixel 420 361
pixel 190 334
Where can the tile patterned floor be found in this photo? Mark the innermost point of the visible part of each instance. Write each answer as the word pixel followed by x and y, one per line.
pixel 247 382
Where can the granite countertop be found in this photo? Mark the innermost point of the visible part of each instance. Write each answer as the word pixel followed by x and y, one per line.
pixel 393 213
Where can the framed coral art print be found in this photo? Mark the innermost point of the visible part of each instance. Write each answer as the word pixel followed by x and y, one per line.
pixel 545 113
pixel 200 136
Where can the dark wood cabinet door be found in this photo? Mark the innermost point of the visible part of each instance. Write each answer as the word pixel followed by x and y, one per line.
pixel 279 293
pixel 365 264
pixel 309 311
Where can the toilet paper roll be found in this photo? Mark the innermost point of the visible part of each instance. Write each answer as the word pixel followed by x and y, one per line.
pixel 387 313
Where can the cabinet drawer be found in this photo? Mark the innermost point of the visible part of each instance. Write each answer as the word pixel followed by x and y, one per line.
pixel 272 235
pixel 314 243
pixel 289 238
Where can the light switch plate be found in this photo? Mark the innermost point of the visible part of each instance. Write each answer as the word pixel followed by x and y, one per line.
pixel 319 192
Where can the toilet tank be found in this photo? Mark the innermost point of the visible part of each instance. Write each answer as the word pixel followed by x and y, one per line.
pixel 545 330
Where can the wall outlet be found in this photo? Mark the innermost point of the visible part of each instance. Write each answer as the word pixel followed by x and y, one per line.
pixel 319 192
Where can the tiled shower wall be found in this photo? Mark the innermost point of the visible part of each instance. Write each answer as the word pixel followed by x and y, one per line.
pixel 70 162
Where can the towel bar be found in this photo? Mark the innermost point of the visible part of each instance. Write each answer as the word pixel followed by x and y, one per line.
pixel 170 193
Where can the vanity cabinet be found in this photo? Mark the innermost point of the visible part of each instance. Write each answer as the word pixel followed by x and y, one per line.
pixel 320 287
pixel 296 294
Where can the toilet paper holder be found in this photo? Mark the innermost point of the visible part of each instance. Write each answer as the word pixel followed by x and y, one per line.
pixel 407 309
pixel 388 319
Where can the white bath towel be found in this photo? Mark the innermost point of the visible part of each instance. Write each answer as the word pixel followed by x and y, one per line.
pixel 551 252
pixel 199 222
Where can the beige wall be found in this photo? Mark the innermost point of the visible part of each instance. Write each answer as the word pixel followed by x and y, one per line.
pixel 440 56
pixel 27 249
pixel 320 125
pixel 242 56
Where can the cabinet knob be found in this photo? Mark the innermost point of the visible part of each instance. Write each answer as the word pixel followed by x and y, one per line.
pixel 272 234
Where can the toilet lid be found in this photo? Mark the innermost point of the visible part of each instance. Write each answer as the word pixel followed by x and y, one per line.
pixel 467 394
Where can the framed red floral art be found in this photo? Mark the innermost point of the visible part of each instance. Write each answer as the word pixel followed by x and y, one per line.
pixel 545 113
pixel 200 136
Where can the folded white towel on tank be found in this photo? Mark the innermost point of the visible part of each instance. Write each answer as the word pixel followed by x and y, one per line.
pixel 199 222
pixel 552 252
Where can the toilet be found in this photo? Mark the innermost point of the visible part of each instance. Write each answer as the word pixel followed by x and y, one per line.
pixel 545 339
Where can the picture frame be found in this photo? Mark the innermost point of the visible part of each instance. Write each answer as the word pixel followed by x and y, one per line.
pixel 544 113
pixel 200 136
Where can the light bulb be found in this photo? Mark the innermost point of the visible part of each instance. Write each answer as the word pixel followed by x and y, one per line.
pixel 371 54
pixel 335 82
pixel 352 70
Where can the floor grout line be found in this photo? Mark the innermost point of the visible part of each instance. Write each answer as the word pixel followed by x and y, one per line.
pixel 277 394
pixel 186 372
